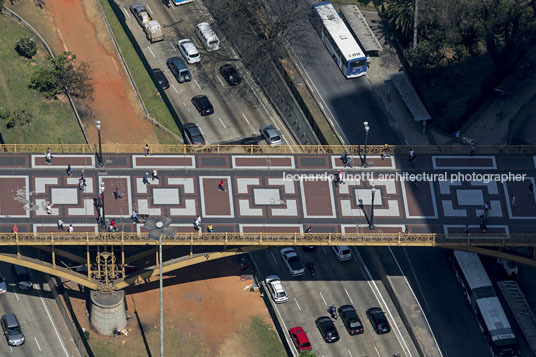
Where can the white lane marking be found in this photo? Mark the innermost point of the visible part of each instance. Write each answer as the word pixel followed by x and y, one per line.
pixel 35 338
pixel 290 343
pixel 427 306
pixel 198 86
pixel 378 352
pixel 219 79
pixel 53 324
pixel 148 8
pixel 379 298
pixel 346 291
pixel 126 12
pixel 11 349
pixel 324 300
pixel 175 89
pixel 324 250
pixel 247 121
pixel 149 48
pixel 188 109
pixel 115 64
pixel 17 296
pixel 62 40
pixel 273 256
pixel 221 121
pixel 350 353
pixel 297 304
pixel 174 49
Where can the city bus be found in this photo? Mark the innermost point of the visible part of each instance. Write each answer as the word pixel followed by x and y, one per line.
pixel 485 304
pixel 340 42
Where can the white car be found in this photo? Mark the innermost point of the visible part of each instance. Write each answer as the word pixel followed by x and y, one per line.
pixel 293 261
pixel 276 289
pixel 342 252
pixel 189 51
pixel 3 285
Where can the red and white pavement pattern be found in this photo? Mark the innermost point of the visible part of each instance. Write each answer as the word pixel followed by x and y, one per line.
pixel 257 197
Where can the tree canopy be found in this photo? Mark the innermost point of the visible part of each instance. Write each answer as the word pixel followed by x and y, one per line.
pixel 61 76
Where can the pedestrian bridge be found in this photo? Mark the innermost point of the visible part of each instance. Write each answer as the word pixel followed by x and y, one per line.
pixel 272 196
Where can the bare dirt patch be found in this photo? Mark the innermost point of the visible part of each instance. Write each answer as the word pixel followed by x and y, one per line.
pixel 66 24
pixel 208 311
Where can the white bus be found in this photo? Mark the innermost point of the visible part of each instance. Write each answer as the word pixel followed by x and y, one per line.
pixel 480 294
pixel 340 42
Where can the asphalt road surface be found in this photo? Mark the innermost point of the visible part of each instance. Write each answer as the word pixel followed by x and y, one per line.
pixel 239 111
pixel 42 334
pixel 338 283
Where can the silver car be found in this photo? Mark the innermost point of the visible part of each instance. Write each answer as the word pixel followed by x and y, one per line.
pixel 276 289
pixel 3 285
pixel 270 134
pixel 12 330
pixel 189 51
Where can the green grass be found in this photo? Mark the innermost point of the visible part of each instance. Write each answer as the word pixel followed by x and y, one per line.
pixel 100 349
pixel 263 339
pixel 53 120
pixel 143 81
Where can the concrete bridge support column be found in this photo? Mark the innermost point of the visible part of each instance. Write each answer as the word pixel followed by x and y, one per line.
pixel 108 311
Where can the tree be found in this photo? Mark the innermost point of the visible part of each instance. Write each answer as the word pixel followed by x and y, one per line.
pixel 26 47
pixel 62 76
pixel 399 16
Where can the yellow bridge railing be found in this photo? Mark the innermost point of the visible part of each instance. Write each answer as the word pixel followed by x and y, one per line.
pixel 263 149
pixel 271 239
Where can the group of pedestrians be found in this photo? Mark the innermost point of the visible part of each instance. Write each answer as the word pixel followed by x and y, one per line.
pixel 61 225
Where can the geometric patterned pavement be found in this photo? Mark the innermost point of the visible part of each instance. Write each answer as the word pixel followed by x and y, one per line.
pixel 262 196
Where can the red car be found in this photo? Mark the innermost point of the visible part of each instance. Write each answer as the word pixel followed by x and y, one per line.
pixel 300 339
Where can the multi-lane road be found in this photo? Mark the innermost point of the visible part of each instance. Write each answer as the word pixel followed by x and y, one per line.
pixel 45 332
pixel 239 111
pixel 336 283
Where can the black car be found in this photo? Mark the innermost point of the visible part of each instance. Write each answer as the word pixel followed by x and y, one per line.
pixel 167 3
pixel 203 105
pixel 230 74
pixel 309 247
pixel 378 320
pixel 351 320
pixel 327 329
pixel 193 134
pixel 161 78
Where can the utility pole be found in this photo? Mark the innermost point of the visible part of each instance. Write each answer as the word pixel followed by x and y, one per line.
pixel 415 22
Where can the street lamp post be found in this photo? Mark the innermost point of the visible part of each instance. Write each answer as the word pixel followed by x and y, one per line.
pixel 101 163
pixel 364 163
pixel 103 216
pixel 371 224
pixel 159 225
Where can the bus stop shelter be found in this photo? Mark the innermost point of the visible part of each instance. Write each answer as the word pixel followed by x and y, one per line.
pixel 410 97
pixel 362 31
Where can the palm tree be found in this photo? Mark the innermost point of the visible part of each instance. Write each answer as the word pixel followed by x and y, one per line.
pixel 399 16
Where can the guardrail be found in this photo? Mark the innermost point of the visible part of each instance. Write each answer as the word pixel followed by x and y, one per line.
pixel 266 149
pixel 272 239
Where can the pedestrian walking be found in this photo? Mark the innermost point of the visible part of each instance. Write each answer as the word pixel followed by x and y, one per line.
pixel 197 223
pixel 457 136
pixel 112 224
pixel 15 229
pixel 60 224
pixel 70 229
pixel 48 158
pixel 531 190
pixel 486 207
pixel 483 227
pixel 146 178
pixel 116 193
pixel 337 180
pixel 466 230
pixel 486 214
pixel 135 217
pixel 413 184
pixel 346 160
pixel 386 153
pixel 155 175
pixel 221 187
pixel 308 229
pixel 473 148
pixel 412 157
pixel 82 182
pixel 210 229
pixel 69 170
pixel 147 150
pixel 513 202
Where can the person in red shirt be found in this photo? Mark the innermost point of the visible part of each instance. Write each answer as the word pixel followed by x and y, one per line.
pixel 15 229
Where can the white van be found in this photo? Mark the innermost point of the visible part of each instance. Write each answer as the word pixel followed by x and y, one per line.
pixel 207 36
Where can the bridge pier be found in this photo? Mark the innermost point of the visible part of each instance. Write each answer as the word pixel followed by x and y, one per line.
pixel 108 311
